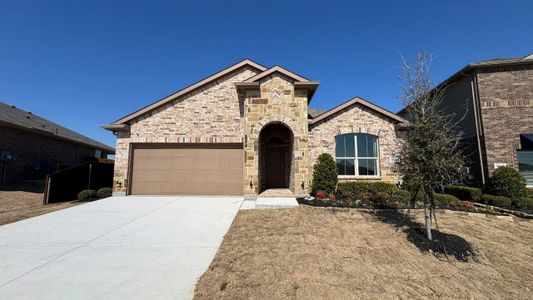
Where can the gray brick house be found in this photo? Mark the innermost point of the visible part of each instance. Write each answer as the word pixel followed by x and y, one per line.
pixel 247 129
pixel 497 97
pixel 32 147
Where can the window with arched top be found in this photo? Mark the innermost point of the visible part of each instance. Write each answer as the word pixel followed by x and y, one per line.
pixel 357 154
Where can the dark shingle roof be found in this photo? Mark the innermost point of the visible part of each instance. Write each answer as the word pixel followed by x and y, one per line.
pixel 12 116
pixel 315 112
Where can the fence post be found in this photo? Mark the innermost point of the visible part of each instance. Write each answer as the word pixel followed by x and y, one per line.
pixel 90 175
pixel 47 189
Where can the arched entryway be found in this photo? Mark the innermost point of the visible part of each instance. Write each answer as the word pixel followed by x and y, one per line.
pixel 275 156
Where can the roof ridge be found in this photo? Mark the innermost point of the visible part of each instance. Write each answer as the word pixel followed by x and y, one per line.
pixel 189 88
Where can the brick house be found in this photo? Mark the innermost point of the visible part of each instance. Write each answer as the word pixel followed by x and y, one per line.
pixel 32 147
pixel 247 129
pixel 496 99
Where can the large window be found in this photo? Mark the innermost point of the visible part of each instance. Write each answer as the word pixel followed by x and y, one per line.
pixel 357 154
pixel 525 158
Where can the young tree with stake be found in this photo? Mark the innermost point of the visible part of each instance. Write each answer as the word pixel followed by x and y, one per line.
pixel 430 154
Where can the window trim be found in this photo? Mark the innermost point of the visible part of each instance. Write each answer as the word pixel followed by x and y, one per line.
pixel 357 158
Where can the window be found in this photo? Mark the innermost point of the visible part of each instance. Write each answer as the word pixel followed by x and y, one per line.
pixel 526 141
pixel 525 166
pixel 97 153
pixel 357 154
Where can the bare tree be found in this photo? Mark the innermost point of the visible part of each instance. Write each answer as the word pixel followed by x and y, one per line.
pixel 430 155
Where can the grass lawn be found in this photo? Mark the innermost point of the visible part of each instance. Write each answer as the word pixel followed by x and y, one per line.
pixel 24 201
pixel 311 253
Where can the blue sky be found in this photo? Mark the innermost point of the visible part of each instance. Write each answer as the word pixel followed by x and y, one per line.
pixel 86 63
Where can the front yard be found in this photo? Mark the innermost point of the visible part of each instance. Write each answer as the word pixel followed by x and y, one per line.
pixel 311 253
pixel 24 201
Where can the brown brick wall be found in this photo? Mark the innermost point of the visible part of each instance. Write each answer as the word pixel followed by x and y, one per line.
pixel 506 100
pixel 357 119
pixel 36 155
pixel 211 114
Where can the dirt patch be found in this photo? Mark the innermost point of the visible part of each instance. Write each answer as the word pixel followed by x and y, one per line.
pixel 18 202
pixel 311 253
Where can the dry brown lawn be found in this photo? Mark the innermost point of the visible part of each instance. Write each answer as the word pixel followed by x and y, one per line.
pixel 24 201
pixel 310 253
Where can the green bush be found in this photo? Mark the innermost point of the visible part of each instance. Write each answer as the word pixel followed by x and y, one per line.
pixel 400 198
pixel 529 193
pixel 463 192
pixel 507 182
pixel 524 202
pixel 446 200
pixel 499 201
pixel 325 174
pixel 104 192
pixel 358 188
pixel 87 195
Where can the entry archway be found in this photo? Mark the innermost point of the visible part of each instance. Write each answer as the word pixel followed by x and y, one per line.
pixel 275 156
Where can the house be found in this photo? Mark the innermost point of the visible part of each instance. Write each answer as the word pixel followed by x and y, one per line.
pixel 247 129
pixel 493 102
pixel 32 147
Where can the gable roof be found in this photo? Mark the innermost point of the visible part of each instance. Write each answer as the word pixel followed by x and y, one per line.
pixel 185 90
pixel 278 69
pixel 352 102
pixel 18 118
pixel 468 69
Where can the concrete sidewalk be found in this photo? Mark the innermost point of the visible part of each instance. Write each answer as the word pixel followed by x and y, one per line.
pixel 115 248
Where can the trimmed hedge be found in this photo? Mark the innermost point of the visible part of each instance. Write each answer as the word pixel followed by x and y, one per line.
pixel 104 192
pixel 524 202
pixel 499 201
pixel 364 189
pixel 87 195
pixel 446 200
pixel 325 174
pixel 507 182
pixel 463 192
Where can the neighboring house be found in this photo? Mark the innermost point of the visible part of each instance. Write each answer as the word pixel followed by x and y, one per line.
pixel 32 147
pixel 495 97
pixel 247 129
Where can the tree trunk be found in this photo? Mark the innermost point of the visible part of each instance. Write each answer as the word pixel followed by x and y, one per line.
pixel 427 215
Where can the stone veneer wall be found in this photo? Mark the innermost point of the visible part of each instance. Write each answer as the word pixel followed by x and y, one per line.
pixel 276 102
pixel 357 119
pixel 211 114
pixel 506 100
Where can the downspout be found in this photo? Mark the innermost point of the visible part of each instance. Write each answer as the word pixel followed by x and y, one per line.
pixel 475 100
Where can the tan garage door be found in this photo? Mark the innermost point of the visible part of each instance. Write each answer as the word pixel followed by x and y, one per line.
pixel 187 169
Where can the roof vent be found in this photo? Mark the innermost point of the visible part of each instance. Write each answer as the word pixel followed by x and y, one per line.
pixel 13 106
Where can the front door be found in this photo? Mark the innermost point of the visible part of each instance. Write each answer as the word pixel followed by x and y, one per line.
pixel 275 167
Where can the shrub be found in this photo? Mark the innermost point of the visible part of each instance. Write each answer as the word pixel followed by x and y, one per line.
pixel 524 202
pixel 499 201
pixel 445 200
pixel 529 193
pixel 467 204
pixel 358 188
pixel 320 195
pixel 400 198
pixel 87 195
pixel 104 192
pixel 507 182
pixel 463 192
pixel 325 174
pixel 331 197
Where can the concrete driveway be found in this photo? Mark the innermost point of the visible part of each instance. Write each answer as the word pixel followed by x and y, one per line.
pixel 115 248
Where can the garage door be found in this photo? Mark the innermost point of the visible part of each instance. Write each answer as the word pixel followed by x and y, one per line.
pixel 187 169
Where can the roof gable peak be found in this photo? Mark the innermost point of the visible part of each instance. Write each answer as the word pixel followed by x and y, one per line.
pixel 277 69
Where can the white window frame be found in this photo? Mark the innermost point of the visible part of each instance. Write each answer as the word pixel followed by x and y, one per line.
pixel 357 158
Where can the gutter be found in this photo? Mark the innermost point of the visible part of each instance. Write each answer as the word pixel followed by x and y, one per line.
pixel 477 118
